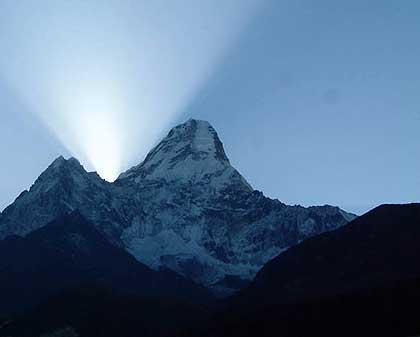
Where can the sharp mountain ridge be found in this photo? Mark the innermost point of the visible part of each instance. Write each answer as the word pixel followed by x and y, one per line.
pixel 185 208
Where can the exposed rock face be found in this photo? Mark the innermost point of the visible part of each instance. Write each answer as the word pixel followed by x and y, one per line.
pixel 184 207
pixel 63 187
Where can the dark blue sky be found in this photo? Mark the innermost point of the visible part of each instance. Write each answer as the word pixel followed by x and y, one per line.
pixel 316 101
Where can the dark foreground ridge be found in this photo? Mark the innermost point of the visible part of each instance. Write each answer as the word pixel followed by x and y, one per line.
pixel 360 280
pixel 70 251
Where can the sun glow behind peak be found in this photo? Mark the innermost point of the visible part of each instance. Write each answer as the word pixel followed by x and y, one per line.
pixel 90 122
pixel 109 78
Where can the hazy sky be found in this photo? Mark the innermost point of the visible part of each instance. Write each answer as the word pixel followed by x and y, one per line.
pixel 316 101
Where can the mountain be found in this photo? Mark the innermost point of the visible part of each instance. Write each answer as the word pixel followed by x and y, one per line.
pixel 184 208
pixel 62 188
pixel 361 279
pixel 70 251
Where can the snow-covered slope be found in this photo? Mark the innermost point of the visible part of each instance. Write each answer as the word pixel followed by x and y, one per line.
pixel 60 188
pixel 63 187
pixel 184 207
pixel 191 153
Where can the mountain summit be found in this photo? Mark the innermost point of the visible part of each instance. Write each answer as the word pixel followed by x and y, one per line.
pixel 184 208
pixel 62 188
pixel 191 152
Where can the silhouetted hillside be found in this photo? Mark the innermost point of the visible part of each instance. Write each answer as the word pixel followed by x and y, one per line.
pixel 360 280
pixel 70 251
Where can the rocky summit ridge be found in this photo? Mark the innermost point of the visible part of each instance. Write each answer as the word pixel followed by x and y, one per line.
pixel 184 208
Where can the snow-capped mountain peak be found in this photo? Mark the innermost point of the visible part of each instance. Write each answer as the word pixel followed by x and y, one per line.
pixel 184 208
pixel 61 171
pixel 61 164
pixel 60 161
pixel 63 187
pixel 189 152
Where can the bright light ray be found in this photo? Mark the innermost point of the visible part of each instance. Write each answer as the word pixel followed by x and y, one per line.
pixel 108 77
